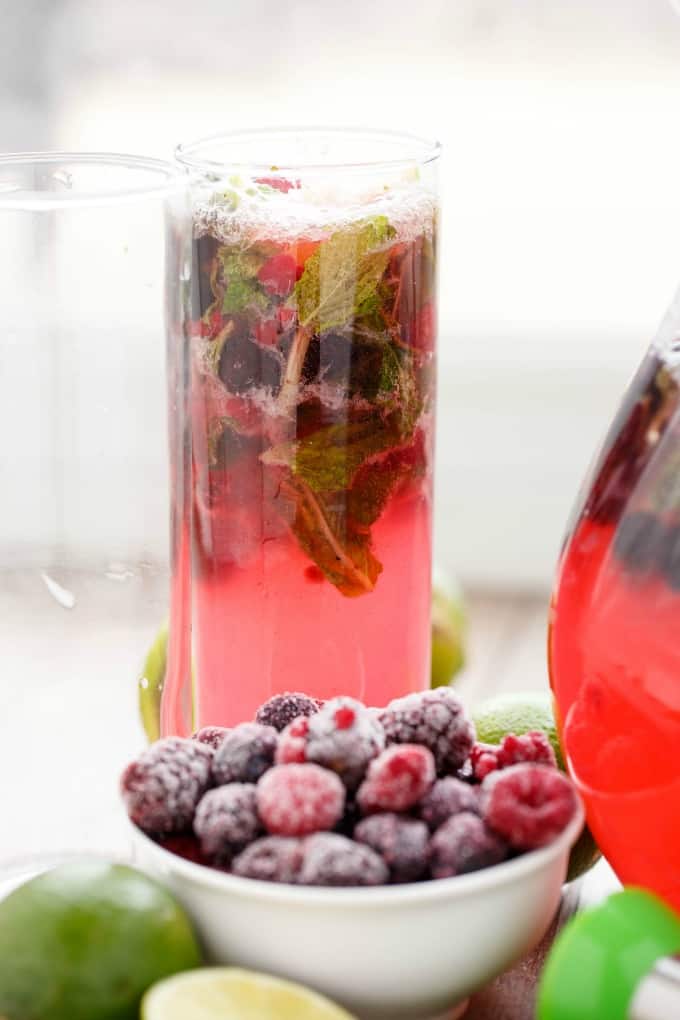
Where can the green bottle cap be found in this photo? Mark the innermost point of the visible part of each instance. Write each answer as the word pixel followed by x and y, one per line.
pixel 599 959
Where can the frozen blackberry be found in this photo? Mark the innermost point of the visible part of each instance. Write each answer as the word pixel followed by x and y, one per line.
pixel 529 805
pixel 448 797
pixel 462 844
pixel 435 719
pixel 245 365
pixel 162 788
pixel 397 779
pixel 295 800
pixel 329 859
pixel 245 753
pixel 401 842
pixel 282 709
pixel 292 745
pixel 212 736
pixel 226 821
pixel 344 736
pixel 270 859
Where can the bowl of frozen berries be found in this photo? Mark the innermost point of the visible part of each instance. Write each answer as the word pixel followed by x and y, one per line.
pixel 381 856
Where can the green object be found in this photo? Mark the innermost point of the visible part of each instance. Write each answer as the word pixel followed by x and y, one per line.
pixel 85 941
pixel 226 993
pixel 151 685
pixel 600 958
pixel 519 713
pixel 449 627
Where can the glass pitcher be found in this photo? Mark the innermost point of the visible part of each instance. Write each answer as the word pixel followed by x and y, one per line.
pixel 311 393
pixel 614 642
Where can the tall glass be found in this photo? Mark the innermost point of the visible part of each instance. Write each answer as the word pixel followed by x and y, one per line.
pixel 311 391
pixel 614 648
pixel 94 259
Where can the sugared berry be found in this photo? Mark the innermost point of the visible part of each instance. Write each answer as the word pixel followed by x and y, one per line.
pixel 294 800
pixel 397 779
pixel 329 859
pixel 271 859
pixel 464 843
pixel 292 745
pixel 163 786
pixel 344 736
pixel 401 842
pixel 212 736
pixel 245 753
pixel 282 709
pixel 529 805
pixel 435 719
pixel 449 796
pixel 227 820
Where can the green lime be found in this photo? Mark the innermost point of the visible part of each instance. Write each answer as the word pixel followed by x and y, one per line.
pixel 85 941
pixel 448 631
pixel 518 713
pixel 225 993
pixel 151 685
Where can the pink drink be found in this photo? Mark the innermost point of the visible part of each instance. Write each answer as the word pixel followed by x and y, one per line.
pixel 311 409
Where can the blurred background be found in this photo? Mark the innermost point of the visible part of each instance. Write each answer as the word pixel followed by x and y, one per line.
pixel 560 187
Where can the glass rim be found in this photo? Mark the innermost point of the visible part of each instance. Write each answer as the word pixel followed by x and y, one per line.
pixel 165 179
pixel 418 150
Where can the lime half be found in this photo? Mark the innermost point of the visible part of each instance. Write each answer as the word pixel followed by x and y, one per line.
pixel 226 993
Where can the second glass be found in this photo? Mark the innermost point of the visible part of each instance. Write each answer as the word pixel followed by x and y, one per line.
pixel 311 411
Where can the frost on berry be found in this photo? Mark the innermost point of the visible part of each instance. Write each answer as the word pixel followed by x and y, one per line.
pixel 397 779
pixel 462 844
pixel 329 859
pixel 292 745
pixel 212 736
pixel 529 805
pixel 528 747
pixel 282 709
pixel 449 796
pixel 270 859
pixel 294 800
pixel 402 843
pixel 163 786
pixel 227 820
pixel 435 719
pixel 245 753
pixel 344 736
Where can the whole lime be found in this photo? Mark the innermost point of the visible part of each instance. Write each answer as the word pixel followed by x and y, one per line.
pixel 86 940
pixel 518 713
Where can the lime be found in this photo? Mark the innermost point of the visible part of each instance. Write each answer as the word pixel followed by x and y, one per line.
pixel 84 942
pixel 448 631
pixel 225 993
pixel 518 713
pixel 151 685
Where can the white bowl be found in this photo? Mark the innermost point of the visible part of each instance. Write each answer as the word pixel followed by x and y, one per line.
pixel 405 952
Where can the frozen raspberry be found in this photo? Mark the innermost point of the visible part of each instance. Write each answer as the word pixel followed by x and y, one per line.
pixel 529 805
pixel 271 859
pixel 330 859
pixel 245 753
pixel 292 745
pixel 211 736
pixel 282 709
pixel 277 275
pixel 227 820
pixel 294 800
pixel 435 719
pixel 448 796
pixel 464 843
pixel 401 842
pixel 529 747
pixel 163 786
pixel 397 779
pixel 344 736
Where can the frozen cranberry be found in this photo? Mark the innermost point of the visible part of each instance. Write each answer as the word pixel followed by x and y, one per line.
pixel 334 860
pixel 401 842
pixel 163 786
pixel 282 709
pixel 462 844
pixel 292 745
pixel 244 754
pixel 435 719
pixel 294 800
pixel 449 796
pixel 212 736
pixel 344 736
pixel 227 820
pixel 397 779
pixel 270 859
pixel 277 274
pixel 529 805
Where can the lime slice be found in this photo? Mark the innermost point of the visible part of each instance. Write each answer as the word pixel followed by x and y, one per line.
pixel 226 993
pixel 151 685
pixel 449 627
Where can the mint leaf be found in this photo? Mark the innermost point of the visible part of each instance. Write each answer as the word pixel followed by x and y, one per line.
pixel 341 278
pixel 238 276
pixel 375 483
pixel 326 535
